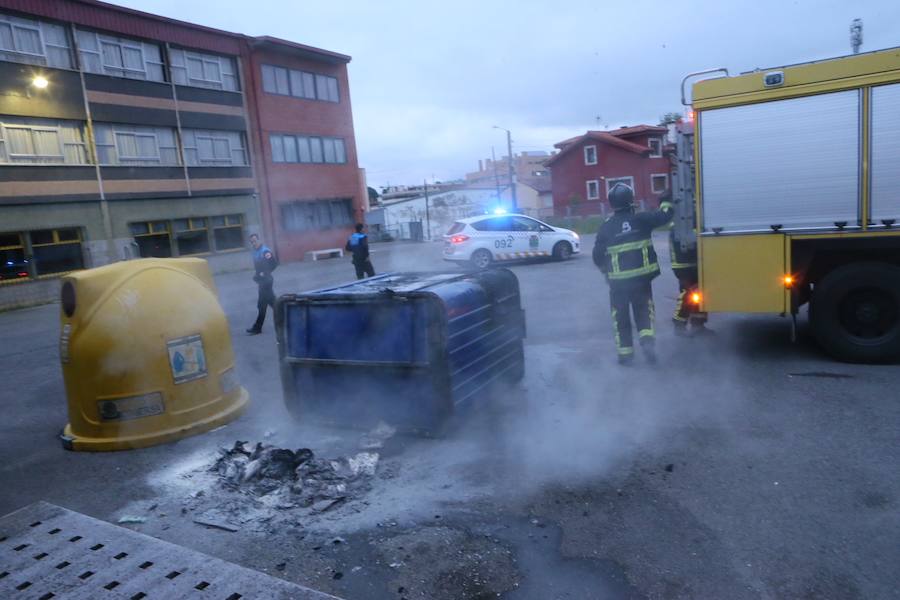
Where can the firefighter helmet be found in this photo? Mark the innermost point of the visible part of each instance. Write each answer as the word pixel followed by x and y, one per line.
pixel 621 197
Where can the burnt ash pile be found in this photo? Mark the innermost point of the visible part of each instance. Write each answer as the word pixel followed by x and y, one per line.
pixel 294 478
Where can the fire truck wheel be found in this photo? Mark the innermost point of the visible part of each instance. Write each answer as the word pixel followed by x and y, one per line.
pixel 855 312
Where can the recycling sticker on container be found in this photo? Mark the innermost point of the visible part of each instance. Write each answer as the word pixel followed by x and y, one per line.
pixel 187 358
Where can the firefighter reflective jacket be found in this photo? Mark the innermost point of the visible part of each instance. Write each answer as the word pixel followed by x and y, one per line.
pixel 624 250
pixel 681 259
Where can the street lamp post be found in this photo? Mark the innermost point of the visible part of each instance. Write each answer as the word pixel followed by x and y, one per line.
pixel 512 173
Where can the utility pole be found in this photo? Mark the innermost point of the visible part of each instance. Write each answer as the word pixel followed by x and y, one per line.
pixel 427 214
pixel 512 173
pixel 856 35
pixel 496 175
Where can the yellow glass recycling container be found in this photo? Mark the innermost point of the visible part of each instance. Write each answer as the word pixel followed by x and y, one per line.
pixel 146 355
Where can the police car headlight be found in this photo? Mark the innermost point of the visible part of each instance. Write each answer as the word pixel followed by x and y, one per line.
pixel 576 237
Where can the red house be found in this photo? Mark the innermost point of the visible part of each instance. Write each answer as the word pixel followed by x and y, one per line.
pixel 588 166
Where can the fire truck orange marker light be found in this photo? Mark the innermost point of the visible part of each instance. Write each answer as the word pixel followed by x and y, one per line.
pixel 695 298
pixel 788 280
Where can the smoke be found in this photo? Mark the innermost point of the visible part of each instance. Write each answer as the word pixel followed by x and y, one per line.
pixel 582 417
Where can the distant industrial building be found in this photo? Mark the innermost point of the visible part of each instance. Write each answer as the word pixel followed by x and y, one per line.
pixel 526 166
pixel 125 134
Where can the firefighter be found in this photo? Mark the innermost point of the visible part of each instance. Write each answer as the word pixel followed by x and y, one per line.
pixel 624 252
pixel 684 265
pixel 358 246
pixel 264 262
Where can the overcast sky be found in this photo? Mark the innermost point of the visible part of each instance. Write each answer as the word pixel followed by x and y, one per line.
pixel 429 79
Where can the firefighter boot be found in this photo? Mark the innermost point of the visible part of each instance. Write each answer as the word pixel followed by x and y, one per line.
pixel 649 348
pixel 626 360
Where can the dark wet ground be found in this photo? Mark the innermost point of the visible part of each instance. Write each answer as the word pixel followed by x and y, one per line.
pixel 743 467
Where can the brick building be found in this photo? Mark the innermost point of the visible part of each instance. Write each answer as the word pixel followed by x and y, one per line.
pixel 587 166
pixel 312 188
pixel 125 134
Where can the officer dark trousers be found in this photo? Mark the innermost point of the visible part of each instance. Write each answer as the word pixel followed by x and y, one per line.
pixel 364 269
pixel 265 299
pixel 637 298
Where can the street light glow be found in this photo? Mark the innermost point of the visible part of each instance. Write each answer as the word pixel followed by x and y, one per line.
pixel 40 82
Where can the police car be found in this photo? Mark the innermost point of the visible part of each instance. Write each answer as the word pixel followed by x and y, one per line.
pixel 489 238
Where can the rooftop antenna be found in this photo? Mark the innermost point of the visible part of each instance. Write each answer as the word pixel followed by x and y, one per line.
pixel 856 35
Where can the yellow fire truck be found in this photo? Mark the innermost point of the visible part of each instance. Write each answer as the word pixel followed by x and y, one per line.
pixel 794 173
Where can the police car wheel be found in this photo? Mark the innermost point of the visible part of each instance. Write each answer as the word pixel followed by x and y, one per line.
pixel 482 259
pixel 562 251
pixel 855 313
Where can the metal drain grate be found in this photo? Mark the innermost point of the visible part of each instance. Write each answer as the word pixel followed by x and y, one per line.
pixel 49 552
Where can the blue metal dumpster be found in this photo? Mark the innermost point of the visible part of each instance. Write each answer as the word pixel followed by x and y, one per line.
pixel 406 348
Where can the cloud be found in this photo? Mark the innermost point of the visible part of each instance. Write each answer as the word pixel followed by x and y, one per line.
pixel 428 80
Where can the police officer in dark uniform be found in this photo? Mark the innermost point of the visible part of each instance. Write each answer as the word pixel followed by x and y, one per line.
pixel 358 246
pixel 624 252
pixel 264 262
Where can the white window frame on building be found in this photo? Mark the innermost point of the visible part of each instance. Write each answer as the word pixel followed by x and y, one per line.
pixel 657 151
pixel 596 186
pixel 52 43
pixel 112 135
pixel 626 179
pixel 299 84
pixel 228 148
pixel 69 147
pixel 225 66
pixel 136 59
pixel 587 160
pixel 307 149
pixel 656 177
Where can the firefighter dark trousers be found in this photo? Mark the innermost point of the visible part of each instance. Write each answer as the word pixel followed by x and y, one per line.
pixel 266 298
pixel 364 269
pixel 636 298
pixel 684 308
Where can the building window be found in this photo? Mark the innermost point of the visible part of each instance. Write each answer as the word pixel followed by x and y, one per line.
pixel 612 181
pixel 304 149
pixel 199 69
pixel 213 148
pixel 42 141
pixel 659 183
pixel 34 42
pixel 228 232
pixel 191 236
pixel 56 251
pixel 300 84
pixel 152 238
pixel 593 190
pixel 120 57
pixel 135 145
pixel 590 155
pixel 13 264
pixel 655 145
pixel 317 215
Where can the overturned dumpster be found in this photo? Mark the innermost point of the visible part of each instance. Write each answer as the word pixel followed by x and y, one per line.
pixel 407 348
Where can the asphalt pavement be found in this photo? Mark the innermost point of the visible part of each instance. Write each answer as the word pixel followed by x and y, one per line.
pixel 743 466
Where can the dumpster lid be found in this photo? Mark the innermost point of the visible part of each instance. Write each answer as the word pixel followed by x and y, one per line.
pixel 393 282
